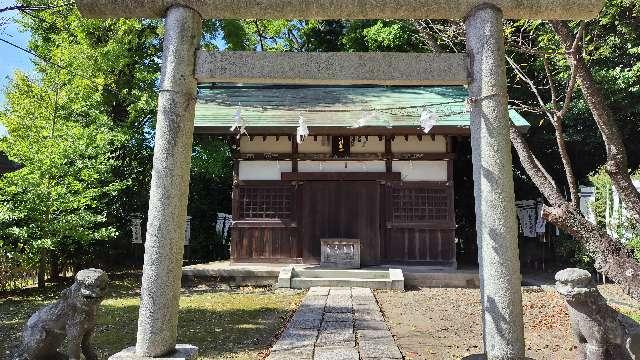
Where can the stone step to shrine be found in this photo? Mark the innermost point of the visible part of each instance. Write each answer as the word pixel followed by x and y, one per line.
pixel 335 273
pixel 293 278
pixel 266 274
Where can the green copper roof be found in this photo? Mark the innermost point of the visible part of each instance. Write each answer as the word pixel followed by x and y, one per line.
pixel 332 106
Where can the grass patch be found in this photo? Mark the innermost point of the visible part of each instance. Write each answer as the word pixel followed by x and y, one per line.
pixel 234 324
pixel 632 313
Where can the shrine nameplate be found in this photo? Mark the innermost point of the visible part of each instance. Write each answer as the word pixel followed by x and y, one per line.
pixel 340 253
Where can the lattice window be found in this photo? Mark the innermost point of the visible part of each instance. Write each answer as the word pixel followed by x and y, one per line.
pixel 262 202
pixel 420 204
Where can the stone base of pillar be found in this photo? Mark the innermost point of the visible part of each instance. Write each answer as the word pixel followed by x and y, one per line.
pixel 183 352
pixel 484 357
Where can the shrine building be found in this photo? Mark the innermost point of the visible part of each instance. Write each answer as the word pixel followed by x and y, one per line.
pixel 372 163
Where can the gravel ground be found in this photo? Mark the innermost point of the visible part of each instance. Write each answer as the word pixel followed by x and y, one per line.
pixel 445 323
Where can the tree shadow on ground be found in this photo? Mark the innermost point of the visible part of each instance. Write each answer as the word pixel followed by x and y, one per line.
pixel 217 333
pixel 223 324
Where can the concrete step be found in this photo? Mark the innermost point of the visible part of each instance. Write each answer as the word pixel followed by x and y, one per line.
pixel 290 277
pixel 305 283
pixel 333 273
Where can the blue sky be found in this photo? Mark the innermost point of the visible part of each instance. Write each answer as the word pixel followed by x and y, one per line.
pixel 10 57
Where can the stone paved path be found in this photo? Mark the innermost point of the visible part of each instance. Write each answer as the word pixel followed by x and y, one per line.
pixel 336 323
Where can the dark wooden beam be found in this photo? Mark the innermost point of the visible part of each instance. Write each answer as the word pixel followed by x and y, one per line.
pixel 387 156
pixel 336 130
pixel 294 156
pixel 422 225
pixel 264 224
pixel 451 140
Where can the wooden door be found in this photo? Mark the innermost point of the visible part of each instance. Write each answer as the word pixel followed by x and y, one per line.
pixel 341 209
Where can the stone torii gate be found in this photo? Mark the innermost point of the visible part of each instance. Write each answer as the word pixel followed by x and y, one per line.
pixel 482 68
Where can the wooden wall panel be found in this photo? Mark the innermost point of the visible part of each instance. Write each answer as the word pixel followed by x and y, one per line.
pixel 341 209
pixel 411 244
pixel 264 244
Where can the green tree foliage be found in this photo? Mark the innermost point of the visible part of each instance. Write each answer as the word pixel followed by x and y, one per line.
pixel 57 200
pixel 209 194
pixel 82 130
pixel 612 50
pixel 620 224
pixel 320 35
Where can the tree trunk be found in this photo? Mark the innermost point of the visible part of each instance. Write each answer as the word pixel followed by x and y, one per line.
pixel 536 172
pixel 616 165
pixel 54 265
pixel 612 258
pixel 566 162
pixel 42 268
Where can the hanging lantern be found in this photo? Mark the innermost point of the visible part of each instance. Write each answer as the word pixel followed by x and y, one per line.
pixel 428 120
pixel 303 131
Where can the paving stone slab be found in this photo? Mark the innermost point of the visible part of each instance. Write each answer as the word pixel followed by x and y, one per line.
pixel 338 317
pixel 369 315
pixel 311 307
pixel 327 323
pixel 315 300
pixel 362 296
pixel 305 323
pixel 370 325
pixel 361 291
pixel 338 304
pixel 310 311
pixel 339 308
pixel 309 314
pixel 360 300
pixel 335 333
pixel 293 338
pixel 302 354
pixel 377 349
pixel 336 338
pixel 340 298
pixel 318 291
pixel 369 306
pixel 340 291
pixel 336 353
pixel 336 325
pixel 372 335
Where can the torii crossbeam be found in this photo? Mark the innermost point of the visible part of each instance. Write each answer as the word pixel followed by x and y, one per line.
pixel 483 68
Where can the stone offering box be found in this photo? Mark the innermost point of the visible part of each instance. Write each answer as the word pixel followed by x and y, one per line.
pixel 340 253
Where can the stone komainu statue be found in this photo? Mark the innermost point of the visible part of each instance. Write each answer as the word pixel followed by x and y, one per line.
pixel 72 316
pixel 596 326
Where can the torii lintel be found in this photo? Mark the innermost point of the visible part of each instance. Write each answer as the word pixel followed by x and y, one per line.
pixel 342 9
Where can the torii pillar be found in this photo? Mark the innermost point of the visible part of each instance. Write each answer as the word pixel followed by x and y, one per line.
pixel 496 222
pixel 160 293
pixel 493 179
